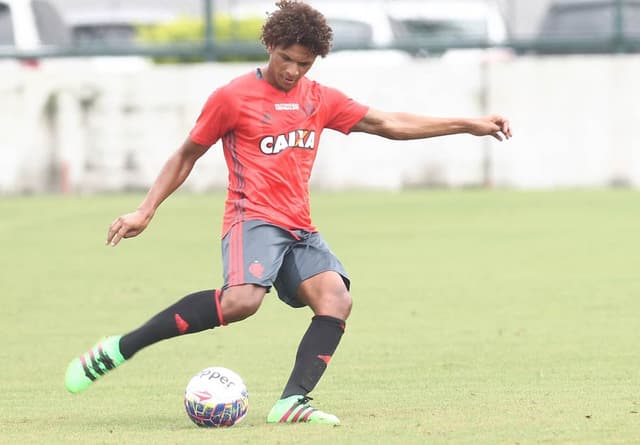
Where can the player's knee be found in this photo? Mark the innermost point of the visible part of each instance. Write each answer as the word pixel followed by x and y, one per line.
pixel 344 304
pixel 237 309
pixel 240 303
pixel 335 304
pixel 240 310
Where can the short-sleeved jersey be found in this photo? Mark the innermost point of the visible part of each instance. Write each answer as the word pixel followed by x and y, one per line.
pixel 270 140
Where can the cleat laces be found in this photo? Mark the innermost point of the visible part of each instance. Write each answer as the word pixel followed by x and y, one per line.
pixel 296 409
pixel 106 361
pixel 96 365
pixel 304 400
pixel 103 357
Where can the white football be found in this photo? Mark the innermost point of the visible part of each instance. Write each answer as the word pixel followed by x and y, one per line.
pixel 216 397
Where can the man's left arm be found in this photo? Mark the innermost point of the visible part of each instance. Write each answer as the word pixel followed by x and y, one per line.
pixel 404 126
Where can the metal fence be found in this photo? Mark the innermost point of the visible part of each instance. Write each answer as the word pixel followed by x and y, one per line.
pixel 541 27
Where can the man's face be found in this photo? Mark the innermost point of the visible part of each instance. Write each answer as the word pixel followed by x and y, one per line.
pixel 288 65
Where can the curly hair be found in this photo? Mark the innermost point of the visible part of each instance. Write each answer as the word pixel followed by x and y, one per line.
pixel 296 22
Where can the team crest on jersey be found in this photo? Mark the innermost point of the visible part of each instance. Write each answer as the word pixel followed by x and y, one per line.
pixel 271 145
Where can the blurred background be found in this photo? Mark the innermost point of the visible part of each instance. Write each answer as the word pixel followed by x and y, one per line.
pixel 95 94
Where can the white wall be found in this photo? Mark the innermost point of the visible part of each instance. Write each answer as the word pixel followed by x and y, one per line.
pixel 79 128
pixel 575 121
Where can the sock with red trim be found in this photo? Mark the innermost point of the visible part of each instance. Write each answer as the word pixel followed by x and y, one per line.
pixel 314 353
pixel 194 313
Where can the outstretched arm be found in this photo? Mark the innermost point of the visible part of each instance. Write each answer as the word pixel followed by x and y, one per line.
pixel 403 126
pixel 173 174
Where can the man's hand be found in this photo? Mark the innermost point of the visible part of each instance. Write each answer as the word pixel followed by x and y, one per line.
pixel 496 126
pixel 127 226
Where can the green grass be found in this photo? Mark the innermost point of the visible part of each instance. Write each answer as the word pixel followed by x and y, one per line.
pixel 479 318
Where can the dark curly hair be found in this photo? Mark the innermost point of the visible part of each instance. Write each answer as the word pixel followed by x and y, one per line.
pixel 297 23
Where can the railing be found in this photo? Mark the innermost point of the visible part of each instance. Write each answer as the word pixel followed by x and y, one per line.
pixel 211 50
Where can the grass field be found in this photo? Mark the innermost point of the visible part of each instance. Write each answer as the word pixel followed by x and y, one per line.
pixel 479 318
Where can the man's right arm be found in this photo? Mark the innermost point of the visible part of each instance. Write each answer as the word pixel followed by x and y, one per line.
pixel 174 172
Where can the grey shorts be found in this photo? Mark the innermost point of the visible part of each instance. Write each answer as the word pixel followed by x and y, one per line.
pixel 256 252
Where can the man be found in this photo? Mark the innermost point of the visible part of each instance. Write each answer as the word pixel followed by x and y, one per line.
pixel 270 123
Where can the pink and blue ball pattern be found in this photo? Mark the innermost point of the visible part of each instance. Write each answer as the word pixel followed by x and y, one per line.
pixel 210 415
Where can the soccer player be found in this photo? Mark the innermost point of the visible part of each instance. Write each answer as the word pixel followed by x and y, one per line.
pixel 270 121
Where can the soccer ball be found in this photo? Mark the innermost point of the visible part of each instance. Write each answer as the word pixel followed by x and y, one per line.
pixel 216 397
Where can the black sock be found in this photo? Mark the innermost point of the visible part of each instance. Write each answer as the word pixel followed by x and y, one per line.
pixel 314 353
pixel 193 313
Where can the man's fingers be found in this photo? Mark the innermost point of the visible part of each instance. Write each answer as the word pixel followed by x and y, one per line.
pixel 506 129
pixel 117 231
pixel 113 229
pixel 110 234
pixel 115 239
pixel 119 235
pixel 503 127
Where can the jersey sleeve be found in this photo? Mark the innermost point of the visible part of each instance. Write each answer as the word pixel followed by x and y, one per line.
pixel 343 112
pixel 217 118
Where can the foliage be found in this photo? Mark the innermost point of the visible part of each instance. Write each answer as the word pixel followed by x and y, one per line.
pixel 191 30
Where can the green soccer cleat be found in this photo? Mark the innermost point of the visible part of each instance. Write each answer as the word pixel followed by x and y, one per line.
pixel 296 409
pixel 93 364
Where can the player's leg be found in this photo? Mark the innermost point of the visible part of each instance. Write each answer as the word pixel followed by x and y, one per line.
pixel 250 265
pixel 329 299
pixel 193 313
pixel 323 287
